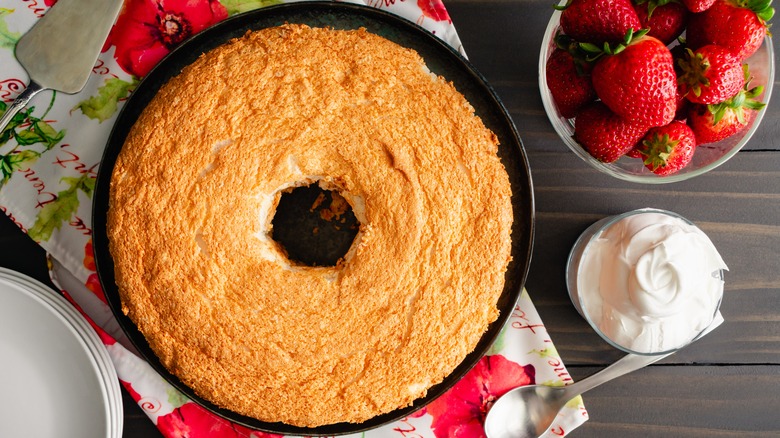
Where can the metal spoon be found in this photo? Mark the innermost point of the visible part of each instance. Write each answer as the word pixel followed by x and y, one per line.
pixel 528 411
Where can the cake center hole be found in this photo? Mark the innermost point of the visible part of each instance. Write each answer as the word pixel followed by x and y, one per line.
pixel 314 226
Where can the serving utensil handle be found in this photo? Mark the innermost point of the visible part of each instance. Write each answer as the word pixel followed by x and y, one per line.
pixel 20 102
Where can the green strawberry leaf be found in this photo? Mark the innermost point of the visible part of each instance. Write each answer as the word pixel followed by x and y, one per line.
pixel 53 214
pixel 237 6
pixel 766 14
pixel 102 106
pixel 8 39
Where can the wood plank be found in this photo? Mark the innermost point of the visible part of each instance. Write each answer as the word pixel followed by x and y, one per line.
pixel 20 253
pixel 137 424
pixel 675 401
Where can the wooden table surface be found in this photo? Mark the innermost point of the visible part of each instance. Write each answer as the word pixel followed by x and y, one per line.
pixel 727 384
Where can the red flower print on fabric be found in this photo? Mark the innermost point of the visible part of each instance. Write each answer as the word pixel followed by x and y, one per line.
pixel 434 9
pixel 93 283
pixel 147 30
pixel 89 256
pixel 130 390
pixel 193 421
pixel 460 413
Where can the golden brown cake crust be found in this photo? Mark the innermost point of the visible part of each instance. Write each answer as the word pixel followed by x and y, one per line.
pixel 193 191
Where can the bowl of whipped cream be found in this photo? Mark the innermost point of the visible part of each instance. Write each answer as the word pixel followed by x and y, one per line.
pixel 648 281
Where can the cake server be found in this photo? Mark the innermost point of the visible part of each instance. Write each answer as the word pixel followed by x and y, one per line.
pixel 60 50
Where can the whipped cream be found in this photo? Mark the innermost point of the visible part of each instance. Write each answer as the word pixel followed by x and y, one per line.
pixel 651 282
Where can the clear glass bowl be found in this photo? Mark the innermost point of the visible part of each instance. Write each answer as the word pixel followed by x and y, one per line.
pixel 707 156
pixel 579 299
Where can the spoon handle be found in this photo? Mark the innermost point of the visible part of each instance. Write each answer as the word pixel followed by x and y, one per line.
pixel 629 363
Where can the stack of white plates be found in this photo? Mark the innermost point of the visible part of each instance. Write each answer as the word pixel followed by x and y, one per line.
pixel 56 378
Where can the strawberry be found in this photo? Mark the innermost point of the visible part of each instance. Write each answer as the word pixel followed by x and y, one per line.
pixel 569 82
pixel 636 80
pixel 698 5
pixel 716 122
pixel 711 74
pixel 667 149
pixel 634 153
pixel 604 134
pixel 702 120
pixel 666 19
pixel 598 21
pixel 738 25
pixel 681 106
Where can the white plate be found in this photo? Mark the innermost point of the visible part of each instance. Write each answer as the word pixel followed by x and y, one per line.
pixel 106 367
pixel 56 378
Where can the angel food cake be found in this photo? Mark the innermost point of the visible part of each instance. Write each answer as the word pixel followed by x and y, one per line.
pixel 194 191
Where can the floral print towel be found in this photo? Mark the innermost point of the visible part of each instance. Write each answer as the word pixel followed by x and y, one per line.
pixel 49 156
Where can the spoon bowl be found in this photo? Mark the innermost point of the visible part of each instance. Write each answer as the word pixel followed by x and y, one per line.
pixel 528 411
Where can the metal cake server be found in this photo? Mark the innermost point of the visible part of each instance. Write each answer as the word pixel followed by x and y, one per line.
pixel 61 49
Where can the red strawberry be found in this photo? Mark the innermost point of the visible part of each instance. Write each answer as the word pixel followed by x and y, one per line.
pixel 681 106
pixel 716 122
pixel 666 19
pixel 698 5
pixel 634 153
pixel 604 134
pixel 667 149
pixel 711 74
pixel 598 21
pixel 637 81
pixel 738 25
pixel 569 84
pixel 707 130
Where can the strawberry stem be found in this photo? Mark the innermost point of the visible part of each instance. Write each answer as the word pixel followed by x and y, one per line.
pixel 745 99
pixel 657 150
pixel 762 8
pixel 559 7
pixel 694 68
pixel 593 52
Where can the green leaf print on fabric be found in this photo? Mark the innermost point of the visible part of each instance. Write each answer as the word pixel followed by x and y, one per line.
pixel 238 6
pixel 52 215
pixel 176 398
pixel 544 353
pixel 17 161
pixel 574 403
pixel 26 131
pixel 39 132
pixel 8 39
pixel 498 344
pixel 103 105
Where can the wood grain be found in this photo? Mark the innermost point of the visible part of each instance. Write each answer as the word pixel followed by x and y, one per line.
pixel 684 401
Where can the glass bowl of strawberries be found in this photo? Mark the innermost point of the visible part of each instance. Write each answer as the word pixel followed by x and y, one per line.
pixel 656 92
